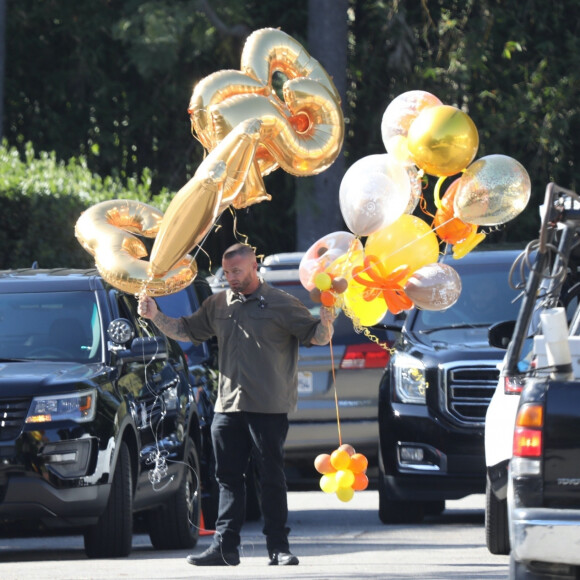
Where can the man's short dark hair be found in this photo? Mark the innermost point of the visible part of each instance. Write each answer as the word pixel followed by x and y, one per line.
pixel 239 250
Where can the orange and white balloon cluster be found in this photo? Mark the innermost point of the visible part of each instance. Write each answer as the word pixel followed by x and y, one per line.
pixel 248 130
pixel 343 472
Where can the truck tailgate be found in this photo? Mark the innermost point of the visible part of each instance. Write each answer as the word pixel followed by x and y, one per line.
pixel 562 445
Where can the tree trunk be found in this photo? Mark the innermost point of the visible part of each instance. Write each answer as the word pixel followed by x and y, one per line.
pixel 317 207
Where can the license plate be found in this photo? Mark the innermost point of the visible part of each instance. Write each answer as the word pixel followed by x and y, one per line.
pixel 305 382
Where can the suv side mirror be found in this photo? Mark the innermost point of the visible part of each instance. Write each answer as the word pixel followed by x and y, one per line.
pixel 500 334
pixel 143 349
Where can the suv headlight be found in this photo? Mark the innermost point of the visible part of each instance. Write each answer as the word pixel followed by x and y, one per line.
pixel 78 407
pixel 409 379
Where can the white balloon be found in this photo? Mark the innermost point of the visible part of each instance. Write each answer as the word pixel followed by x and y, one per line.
pixel 374 192
pixel 397 119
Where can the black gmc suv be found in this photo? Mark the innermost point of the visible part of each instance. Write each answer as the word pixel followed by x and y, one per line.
pixel 434 393
pixel 98 415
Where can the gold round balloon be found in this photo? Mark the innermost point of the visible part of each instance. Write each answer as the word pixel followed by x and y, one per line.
pixel 106 230
pixel 442 140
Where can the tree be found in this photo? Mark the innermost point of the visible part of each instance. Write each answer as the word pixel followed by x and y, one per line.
pixel 317 207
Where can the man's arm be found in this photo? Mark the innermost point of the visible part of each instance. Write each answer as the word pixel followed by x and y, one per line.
pixel 171 327
pixel 325 329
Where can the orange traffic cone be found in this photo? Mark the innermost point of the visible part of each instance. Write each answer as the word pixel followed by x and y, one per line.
pixel 202 530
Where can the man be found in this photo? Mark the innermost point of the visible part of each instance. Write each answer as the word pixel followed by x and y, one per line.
pixel 259 329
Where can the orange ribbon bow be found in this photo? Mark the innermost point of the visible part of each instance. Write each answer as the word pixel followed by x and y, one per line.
pixel 380 282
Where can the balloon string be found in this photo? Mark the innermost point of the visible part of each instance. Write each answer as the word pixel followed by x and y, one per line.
pixel 437 189
pixel 335 393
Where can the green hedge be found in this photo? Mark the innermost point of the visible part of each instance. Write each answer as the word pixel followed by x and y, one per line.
pixel 41 199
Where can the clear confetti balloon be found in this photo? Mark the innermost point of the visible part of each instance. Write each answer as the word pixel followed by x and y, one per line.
pixel 434 287
pixel 493 190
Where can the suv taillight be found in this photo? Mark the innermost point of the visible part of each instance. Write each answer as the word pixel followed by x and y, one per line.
pixel 365 356
pixel 528 431
pixel 513 385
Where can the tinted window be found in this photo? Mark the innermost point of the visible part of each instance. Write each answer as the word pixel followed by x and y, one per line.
pixel 485 298
pixel 50 326
pixel 177 305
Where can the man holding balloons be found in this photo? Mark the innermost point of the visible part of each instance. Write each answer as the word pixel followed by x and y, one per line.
pixel 259 329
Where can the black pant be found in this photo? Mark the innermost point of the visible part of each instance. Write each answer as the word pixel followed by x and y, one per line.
pixel 234 435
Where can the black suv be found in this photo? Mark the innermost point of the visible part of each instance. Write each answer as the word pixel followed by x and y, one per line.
pixel 435 391
pixel 98 415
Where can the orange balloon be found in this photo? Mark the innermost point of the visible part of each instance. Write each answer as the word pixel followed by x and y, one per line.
pixel 361 482
pixel 449 228
pixel 322 464
pixel 327 298
pixel 358 463
pixel 339 459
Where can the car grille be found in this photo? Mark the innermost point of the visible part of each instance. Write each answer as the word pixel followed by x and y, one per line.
pixel 469 390
pixel 12 415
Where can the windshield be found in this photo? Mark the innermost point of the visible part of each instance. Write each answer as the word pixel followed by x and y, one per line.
pixel 486 298
pixel 60 326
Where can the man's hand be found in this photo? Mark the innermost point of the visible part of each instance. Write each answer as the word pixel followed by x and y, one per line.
pixel 327 315
pixel 147 307
pixel 325 329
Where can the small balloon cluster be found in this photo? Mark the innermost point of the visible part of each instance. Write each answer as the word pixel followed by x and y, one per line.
pixel 343 472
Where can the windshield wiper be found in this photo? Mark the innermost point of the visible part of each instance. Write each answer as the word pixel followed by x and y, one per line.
pixel 454 326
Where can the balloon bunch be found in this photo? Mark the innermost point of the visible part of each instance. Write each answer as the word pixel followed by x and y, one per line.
pixel 397 268
pixel 441 140
pixel 248 130
pixel 343 472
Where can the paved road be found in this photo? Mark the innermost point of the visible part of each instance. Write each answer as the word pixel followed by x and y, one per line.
pixel 334 540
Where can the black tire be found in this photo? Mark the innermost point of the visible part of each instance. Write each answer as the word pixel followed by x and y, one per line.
pixel 434 508
pixel 112 536
pixel 496 523
pixel 175 525
pixel 395 511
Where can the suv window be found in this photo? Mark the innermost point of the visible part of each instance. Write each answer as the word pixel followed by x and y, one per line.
pixel 482 301
pixel 51 326
pixel 184 303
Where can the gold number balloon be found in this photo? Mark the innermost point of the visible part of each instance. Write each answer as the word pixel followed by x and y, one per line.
pixel 193 211
pixel 249 131
pixel 106 230
pixel 302 132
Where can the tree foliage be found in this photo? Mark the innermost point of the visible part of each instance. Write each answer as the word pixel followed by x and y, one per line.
pixel 109 81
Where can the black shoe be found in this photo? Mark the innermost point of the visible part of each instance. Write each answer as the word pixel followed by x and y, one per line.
pixel 283 559
pixel 214 557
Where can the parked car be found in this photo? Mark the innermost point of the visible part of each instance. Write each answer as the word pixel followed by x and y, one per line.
pixel 543 473
pixel 202 361
pixel 99 418
pixel 352 365
pixel 435 391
